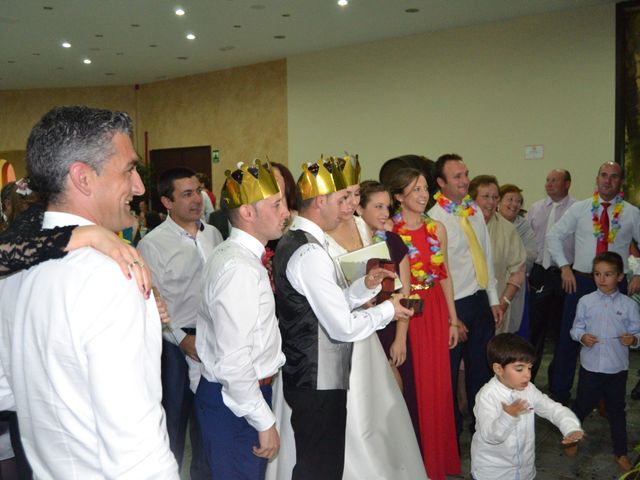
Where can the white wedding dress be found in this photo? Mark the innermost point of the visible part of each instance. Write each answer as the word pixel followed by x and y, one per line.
pixel 380 442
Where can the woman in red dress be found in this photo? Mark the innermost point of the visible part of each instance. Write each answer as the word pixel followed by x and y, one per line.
pixel 433 332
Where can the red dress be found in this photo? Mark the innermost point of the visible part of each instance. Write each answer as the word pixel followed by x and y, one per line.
pixel 429 337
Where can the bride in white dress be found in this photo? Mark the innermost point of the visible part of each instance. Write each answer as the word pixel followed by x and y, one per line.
pixel 380 442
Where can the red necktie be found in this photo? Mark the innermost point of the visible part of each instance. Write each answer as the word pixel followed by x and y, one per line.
pixel 603 243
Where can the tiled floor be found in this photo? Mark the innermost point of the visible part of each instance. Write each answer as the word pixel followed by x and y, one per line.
pixel 594 460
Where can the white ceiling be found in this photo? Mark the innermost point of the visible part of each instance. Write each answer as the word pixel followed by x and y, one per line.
pixel 229 33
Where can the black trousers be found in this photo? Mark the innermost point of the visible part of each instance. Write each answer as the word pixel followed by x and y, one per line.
pixel 545 309
pixel 476 314
pixel 319 421
pixel 593 386
pixel 22 464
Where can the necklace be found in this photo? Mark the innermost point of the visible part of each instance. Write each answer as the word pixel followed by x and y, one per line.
pixel 462 209
pixel 434 269
pixel 614 224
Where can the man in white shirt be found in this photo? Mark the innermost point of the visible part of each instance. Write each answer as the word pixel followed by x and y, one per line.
pixel 85 347
pixel 594 227
pixel 547 296
pixel 471 271
pixel 238 337
pixel 318 325
pixel 176 251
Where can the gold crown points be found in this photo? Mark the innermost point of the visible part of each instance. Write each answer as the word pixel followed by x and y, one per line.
pixel 249 183
pixel 350 167
pixel 320 178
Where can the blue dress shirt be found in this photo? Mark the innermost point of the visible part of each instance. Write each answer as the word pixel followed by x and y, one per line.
pixel 607 316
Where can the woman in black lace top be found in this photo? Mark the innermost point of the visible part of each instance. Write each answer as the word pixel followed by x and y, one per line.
pixel 25 244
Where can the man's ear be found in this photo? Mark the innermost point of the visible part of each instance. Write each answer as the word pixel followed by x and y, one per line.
pixel 82 176
pixel 441 183
pixel 246 212
pixel 166 202
pixel 497 368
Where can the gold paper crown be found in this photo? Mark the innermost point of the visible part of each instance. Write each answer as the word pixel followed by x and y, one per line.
pixel 350 167
pixel 249 183
pixel 320 178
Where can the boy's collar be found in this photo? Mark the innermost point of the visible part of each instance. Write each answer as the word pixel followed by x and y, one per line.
pixel 609 295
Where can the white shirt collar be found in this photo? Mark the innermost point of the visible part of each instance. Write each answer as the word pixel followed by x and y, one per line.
pixel 178 229
pixel 63 219
pixel 302 223
pixel 248 241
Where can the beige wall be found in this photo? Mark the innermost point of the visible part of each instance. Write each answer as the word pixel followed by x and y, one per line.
pixel 484 92
pixel 242 112
pixel 21 109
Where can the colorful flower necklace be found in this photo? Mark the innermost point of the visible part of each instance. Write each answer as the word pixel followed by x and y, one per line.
pixel 435 269
pixel 614 223
pixel 462 209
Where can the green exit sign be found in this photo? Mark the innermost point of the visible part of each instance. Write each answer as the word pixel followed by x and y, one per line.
pixel 215 156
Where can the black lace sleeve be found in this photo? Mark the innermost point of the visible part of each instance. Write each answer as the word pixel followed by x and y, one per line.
pixel 25 244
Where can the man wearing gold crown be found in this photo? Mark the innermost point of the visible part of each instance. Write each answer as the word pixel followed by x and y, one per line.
pixel 238 339
pixel 318 325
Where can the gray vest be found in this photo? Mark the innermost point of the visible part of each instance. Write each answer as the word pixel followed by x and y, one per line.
pixel 314 360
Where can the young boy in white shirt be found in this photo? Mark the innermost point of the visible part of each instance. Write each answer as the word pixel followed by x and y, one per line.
pixel 503 446
pixel 607 324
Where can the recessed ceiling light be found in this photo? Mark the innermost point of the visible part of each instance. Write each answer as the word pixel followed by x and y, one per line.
pixel 286 15
pixel 119 53
pixel 66 45
pixel 153 45
pixel 343 3
pixel 109 74
pixel 59 68
pixel 86 61
pixel 135 25
pixel 279 37
pixel 94 49
pixel 11 61
pixel 47 8
pixel 180 12
pixel 191 36
pixel 99 35
pixel 257 6
pixel 237 26
pixel 412 10
pixel 182 58
pixel 35 54
pixel 226 48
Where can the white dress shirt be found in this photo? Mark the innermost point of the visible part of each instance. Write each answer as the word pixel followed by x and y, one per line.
pixel 85 369
pixel 312 272
pixel 176 259
pixel 538 217
pixel 238 338
pixel 503 447
pixel 461 269
pixel 577 223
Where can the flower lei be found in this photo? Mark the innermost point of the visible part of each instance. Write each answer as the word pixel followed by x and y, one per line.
pixel 462 209
pixel 614 224
pixel 435 269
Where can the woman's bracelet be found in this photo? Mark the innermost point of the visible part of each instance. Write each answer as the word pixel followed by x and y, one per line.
pixel 507 301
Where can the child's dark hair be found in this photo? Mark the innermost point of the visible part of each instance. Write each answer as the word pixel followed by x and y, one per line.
pixel 507 348
pixel 612 258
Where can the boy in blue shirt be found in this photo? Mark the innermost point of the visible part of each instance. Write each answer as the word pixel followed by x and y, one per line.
pixel 607 323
